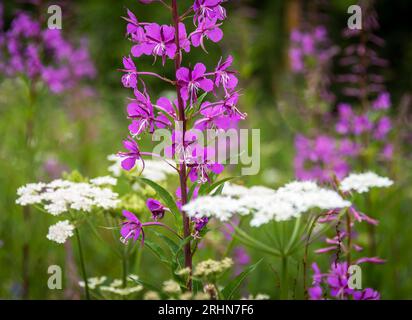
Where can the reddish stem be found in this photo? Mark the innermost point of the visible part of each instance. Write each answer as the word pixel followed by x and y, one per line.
pixel 182 166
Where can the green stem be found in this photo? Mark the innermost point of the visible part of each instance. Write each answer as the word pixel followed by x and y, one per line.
pixel 293 237
pixel 284 285
pixel 82 265
pixel 124 266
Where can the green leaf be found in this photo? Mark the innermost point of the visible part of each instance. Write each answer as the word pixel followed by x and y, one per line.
pixel 182 243
pixel 234 285
pixel 164 194
pixel 217 185
pixel 158 252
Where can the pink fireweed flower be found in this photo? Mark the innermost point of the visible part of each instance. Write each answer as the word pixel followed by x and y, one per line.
pixel 142 113
pixel 337 280
pixel 132 156
pixel 158 41
pixel 134 29
pixel 225 77
pixel 131 228
pixel 208 29
pixel 156 208
pixel 315 292
pixel 229 104
pixel 129 79
pixel 213 117
pixel 168 110
pixel 199 223
pixel 183 39
pixel 182 149
pixel 375 260
pixel 192 80
pixel 208 9
pixel 367 294
pixel 203 164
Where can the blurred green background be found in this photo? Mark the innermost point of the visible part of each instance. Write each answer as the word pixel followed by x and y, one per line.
pixel 78 133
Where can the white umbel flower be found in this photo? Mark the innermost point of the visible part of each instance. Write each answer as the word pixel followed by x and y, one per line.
pixel 266 204
pixel 93 282
pixel 60 196
pixel 171 287
pixel 106 180
pixel 60 231
pixel 362 182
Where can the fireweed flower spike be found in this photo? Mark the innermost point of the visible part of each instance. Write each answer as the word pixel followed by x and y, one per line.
pixel 192 160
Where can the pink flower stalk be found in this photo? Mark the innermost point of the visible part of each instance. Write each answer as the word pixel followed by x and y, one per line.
pixel 194 162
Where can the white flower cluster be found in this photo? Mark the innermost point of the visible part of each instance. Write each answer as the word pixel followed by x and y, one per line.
pixel 212 268
pixel 122 291
pixel 60 231
pixel 106 180
pixel 94 282
pixel 114 287
pixel 171 287
pixel 362 182
pixel 156 170
pixel 266 204
pixel 60 196
pixel 259 296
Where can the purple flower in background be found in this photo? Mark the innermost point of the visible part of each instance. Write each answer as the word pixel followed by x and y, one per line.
pixel 44 55
pixel 382 102
pixel 208 29
pixel 131 228
pixel 131 156
pixel 387 152
pixel 296 60
pixel 191 81
pixel 209 9
pixel 361 124
pixel 156 208
pixel 383 127
pixel 322 158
